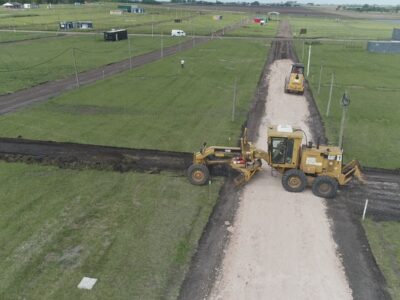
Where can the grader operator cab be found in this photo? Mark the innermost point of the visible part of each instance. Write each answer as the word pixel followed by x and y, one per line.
pixel 300 165
pixel 295 82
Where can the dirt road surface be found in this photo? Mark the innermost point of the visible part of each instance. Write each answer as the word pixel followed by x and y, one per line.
pixel 281 245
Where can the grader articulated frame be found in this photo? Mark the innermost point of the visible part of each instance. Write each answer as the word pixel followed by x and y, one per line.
pixel 300 165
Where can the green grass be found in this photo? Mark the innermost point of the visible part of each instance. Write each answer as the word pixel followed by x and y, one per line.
pixel 372 132
pixel 157 18
pixel 57 226
pixel 340 28
pixel 8 37
pixel 384 240
pixel 256 30
pixel 157 106
pixel 27 63
pixel 134 232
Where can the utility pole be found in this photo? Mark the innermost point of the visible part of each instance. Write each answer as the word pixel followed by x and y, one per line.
pixel 328 107
pixel 76 69
pixel 345 105
pixel 302 53
pixel 130 53
pixel 234 100
pixel 152 25
pixel 320 77
pixel 308 62
pixel 162 46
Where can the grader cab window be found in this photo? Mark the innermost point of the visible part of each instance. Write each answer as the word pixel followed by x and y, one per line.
pixel 282 151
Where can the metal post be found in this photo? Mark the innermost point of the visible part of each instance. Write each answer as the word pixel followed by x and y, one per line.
pixel 302 53
pixel 345 105
pixel 76 69
pixel 152 25
pixel 234 100
pixel 162 46
pixel 330 96
pixel 342 126
pixel 130 53
pixel 308 62
pixel 319 81
pixel 365 209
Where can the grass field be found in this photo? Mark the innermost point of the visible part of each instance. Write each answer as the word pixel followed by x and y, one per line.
pixel 385 243
pixel 9 37
pixel 29 62
pixel 340 28
pixel 256 30
pixel 134 232
pixel 181 107
pixel 57 226
pixel 157 19
pixel 372 132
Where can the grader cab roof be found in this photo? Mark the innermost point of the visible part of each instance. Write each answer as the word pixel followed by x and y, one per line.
pixel 285 131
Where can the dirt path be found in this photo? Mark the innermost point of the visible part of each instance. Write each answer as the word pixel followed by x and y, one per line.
pixel 281 246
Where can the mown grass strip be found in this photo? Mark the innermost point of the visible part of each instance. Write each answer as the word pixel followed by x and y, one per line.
pixel 384 240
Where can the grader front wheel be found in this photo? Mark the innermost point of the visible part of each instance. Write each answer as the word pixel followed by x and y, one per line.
pixel 198 174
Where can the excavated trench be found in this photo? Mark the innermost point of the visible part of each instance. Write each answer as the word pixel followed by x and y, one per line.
pixel 72 155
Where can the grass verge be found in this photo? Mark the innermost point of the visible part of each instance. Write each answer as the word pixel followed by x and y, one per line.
pixel 384 240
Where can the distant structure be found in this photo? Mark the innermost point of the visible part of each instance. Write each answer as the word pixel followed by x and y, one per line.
pixel 134 9
pixel 274 16
pixel 115 35
pixel 68 25
pixel 392 46
pixel 217 18
pixel 30 5
pixel 396 34
pixel 12 5
pixel 116 12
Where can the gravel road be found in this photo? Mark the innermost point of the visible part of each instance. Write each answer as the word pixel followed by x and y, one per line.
pixel 281 245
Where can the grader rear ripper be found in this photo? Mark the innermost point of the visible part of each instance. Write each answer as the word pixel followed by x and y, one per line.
pixel 300 165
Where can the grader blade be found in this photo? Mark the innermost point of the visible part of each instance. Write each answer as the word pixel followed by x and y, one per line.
pixel 352 169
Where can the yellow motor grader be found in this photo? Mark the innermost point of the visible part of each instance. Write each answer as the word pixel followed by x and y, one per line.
pixel 295 82
pixel 318 166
